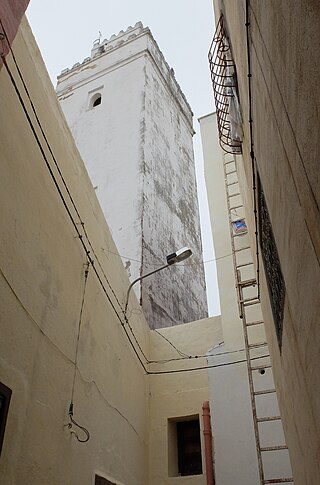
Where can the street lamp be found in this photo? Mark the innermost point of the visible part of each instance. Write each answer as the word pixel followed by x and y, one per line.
pixel 172 258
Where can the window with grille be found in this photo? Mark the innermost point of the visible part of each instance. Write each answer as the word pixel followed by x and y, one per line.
pixel 270 257
pixel 225 90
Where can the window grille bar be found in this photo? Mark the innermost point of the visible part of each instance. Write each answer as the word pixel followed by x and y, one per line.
pixel 224 84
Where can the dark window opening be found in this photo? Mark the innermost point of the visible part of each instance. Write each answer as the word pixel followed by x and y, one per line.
pixel 189 448
pixel 271 262
pixel 5 396
pixel 97 102
pixel 102 481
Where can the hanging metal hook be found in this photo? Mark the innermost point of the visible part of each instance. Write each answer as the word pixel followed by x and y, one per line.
pixel 73 422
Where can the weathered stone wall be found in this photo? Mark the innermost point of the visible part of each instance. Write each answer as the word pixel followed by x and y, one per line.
pixel 137 146
pixel 170 206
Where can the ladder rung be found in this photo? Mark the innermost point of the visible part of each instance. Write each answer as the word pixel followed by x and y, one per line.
pixel 243 233
pixel 257 345
pixel 234 195
pixel 278 480
pixel 243 265
pixel 268 418
pixel 250 302
pixel 251 324
pixel 231 172
pixel 229 161
pixel 261 367
pixel 258 357
pixel 265 391
pixel 246 283
pixel 241 249
pixel 236 207
pixel 274 448
pixel 232 183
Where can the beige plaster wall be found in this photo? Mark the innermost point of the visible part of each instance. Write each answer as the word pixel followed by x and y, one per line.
pixel 42 277
pixel 285 95
pixel 42 281
pixel 177 395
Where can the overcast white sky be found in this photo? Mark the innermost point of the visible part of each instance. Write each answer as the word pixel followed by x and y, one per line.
pixel 183 29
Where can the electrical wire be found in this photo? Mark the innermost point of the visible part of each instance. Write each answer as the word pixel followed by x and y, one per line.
pixel 69 194
pixel 34 321
pixel 172 345
pixel 283 102
pixel 252 155
pixel 75 225
pixel 225 364
pixel 73 203
pixel 279 130
pixel 58 168
pixel 189 357
pixel 127 258
pixel 72 421
pixel 86 273
pixel 146 371
pixel 135 338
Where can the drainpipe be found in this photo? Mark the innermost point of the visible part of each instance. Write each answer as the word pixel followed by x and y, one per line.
pixel 208 442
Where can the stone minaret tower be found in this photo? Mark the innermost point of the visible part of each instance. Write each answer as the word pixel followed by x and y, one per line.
pixel 133 127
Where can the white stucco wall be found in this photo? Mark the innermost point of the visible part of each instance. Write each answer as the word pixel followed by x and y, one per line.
pixel 137 146
pixel 108 138
pixel 235 459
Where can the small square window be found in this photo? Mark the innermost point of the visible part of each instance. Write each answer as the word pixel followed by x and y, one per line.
pixel 184 446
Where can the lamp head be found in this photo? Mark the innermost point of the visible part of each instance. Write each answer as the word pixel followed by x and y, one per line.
pixel 179 256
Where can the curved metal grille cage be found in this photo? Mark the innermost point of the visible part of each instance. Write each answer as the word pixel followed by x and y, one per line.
pixel 224 83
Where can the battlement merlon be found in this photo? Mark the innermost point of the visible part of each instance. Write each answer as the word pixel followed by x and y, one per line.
pixel 66 79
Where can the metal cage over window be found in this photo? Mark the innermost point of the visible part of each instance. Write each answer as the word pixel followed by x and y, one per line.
pixel 224 83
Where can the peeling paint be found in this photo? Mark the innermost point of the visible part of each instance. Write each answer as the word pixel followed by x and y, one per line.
pixel 138 146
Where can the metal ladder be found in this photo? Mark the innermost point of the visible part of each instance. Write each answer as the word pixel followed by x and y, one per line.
pixel 272 453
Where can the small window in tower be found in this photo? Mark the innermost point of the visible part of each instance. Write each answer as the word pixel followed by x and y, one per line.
pixel 95 100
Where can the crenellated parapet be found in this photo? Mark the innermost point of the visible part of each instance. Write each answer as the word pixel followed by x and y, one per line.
pixel 104 48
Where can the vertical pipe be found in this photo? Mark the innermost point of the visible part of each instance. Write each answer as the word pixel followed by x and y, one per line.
pixel 208 443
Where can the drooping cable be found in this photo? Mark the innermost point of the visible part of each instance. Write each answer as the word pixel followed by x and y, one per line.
pixel 224 364
pixel 57 165
pixel 173 346
pixel 72 421
pixel 127 258
pixel 252 154
pixel 134 336
pixel 75 224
